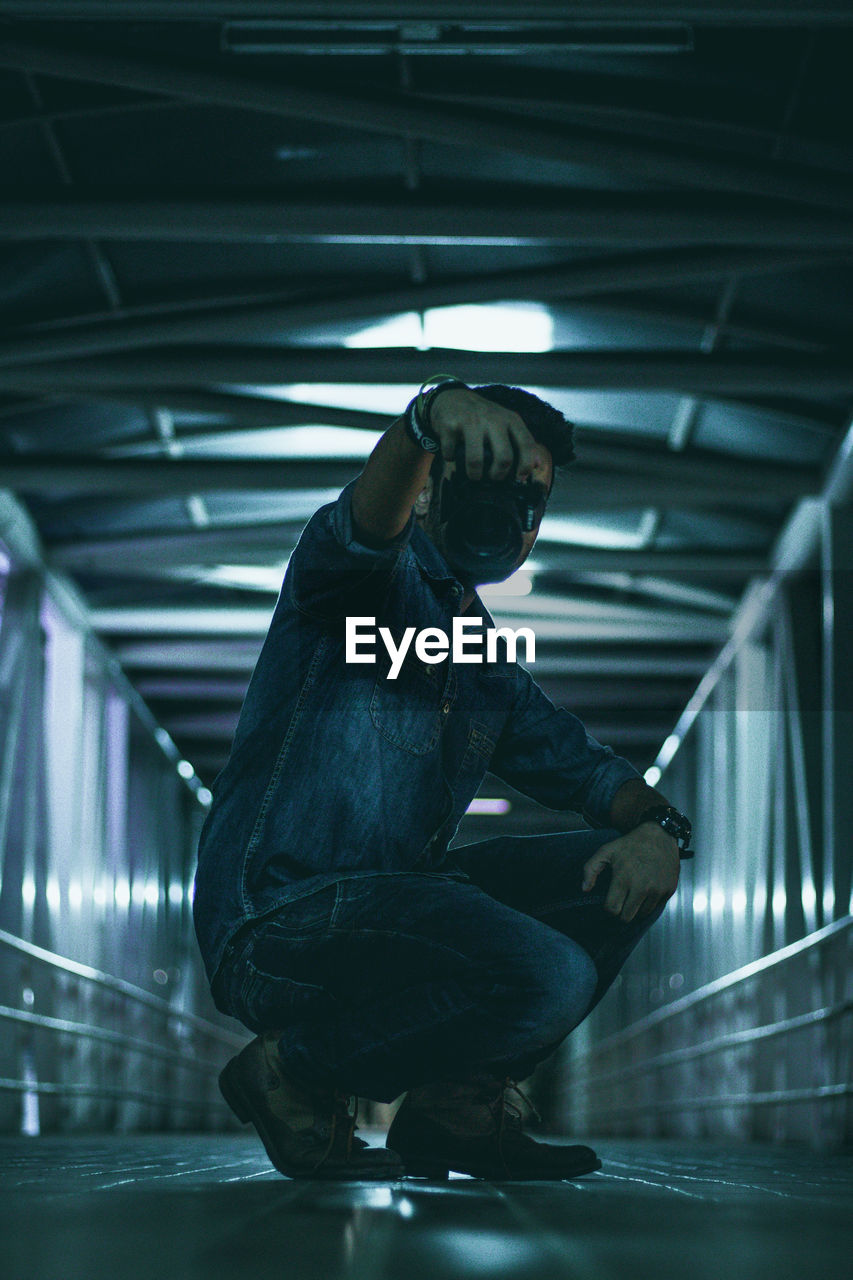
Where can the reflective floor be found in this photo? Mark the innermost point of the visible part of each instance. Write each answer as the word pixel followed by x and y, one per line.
pixel 181 1206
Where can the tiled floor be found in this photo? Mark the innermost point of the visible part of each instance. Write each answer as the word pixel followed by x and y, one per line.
pixel 183 1207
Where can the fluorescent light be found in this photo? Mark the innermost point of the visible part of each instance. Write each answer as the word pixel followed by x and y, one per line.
pixel 501 327
pixel 589 533
pixel 652 776
pixel 252 577
pixel 308 441
pixel 519 583
pixel 484 804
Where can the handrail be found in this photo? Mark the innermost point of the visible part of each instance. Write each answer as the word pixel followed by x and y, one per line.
pixel 120 987
pixel 88 1032
pixel 98 1091
pixel 685 1003
pixel 781 1097
pixel 732 1040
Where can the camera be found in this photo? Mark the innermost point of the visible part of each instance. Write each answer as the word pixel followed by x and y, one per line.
pixel 485 520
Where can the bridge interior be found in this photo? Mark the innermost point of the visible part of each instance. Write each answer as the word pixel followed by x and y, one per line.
pixel 234 240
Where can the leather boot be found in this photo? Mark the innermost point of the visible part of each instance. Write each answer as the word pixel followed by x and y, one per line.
pixel 471 1126
pixel 307 1134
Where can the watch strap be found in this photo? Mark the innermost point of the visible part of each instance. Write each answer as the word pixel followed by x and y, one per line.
pixel 417 415
pixel 673 822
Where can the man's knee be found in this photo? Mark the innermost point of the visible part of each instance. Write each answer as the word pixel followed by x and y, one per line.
pixel 560 990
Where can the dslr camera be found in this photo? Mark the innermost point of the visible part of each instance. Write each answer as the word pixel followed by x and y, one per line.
pixel 485 520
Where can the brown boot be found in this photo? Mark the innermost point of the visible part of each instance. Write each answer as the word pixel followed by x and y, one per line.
pixel 470 1126
pixel 306 1134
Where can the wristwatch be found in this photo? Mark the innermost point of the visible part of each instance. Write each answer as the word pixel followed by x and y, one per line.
pixel 417 413
pixel 674 824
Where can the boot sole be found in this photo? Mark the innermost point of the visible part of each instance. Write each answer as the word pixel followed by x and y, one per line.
pixel 241 1104
pixel 441 1172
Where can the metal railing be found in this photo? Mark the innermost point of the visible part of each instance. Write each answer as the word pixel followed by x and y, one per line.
pixel 768 1047
pixel 122 1057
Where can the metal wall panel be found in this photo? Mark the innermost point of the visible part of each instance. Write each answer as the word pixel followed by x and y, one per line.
pixel 764 770
pixel 106 1017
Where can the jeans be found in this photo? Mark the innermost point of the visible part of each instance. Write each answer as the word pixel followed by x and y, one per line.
pixel 381 982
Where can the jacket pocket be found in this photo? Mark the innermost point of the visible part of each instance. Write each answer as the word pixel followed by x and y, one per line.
pixel 409 711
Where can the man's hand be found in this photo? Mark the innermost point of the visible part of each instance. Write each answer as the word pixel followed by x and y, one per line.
pixel 460 414
pixel 645 866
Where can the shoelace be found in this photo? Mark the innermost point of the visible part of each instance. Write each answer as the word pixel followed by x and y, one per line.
pixel 514 1109
pixel 512 1112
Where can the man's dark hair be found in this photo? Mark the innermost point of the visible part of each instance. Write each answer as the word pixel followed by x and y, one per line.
pixel 545 423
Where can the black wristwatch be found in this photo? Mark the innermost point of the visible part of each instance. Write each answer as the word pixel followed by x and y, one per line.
pixel 674 824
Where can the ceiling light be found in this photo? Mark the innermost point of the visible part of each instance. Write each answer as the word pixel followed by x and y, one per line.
pixel 377 37
pixel 501 327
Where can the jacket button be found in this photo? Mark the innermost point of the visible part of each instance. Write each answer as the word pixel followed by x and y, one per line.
pixel 445 707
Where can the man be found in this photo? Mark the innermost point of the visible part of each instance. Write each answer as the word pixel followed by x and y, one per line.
pixel 333 921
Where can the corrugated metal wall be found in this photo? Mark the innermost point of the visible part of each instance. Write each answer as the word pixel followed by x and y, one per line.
pixel 735 1014
pixel 101 985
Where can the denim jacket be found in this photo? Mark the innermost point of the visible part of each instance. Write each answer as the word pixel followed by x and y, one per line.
pixel 336 770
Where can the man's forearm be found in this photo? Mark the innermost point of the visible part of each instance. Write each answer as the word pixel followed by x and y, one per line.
pixel 393 476
pixel 631 801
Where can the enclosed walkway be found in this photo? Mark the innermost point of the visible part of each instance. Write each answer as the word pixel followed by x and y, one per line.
pixel 202 1207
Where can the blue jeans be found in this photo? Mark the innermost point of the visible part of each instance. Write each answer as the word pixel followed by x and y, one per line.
pixel 385 981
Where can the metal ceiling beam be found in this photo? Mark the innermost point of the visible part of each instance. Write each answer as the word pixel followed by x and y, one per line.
pixel 513 93
pixel 735 13
pixel 247 315
pixel 577 220
pixel 230 655
pixel 674 484
pixel 211 692
pixel 261 411
pixel 597 455
pixel 218 726
pixel 578 282
pixel 717 134
pixel 403 115
pixel 268 544
pixel 723 373
pixel 604 623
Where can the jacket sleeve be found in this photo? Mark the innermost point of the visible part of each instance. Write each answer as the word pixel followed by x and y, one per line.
pixel 546 753
pixel 331 573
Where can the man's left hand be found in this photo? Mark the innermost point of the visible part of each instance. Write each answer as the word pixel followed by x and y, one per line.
pixel 645 865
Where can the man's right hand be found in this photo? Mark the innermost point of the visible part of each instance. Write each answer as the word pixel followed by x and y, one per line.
pixel 460 414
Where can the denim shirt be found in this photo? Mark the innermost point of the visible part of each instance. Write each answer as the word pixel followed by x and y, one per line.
pixel 336 770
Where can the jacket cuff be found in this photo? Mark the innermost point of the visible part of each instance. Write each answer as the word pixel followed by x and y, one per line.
pixel 601 786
